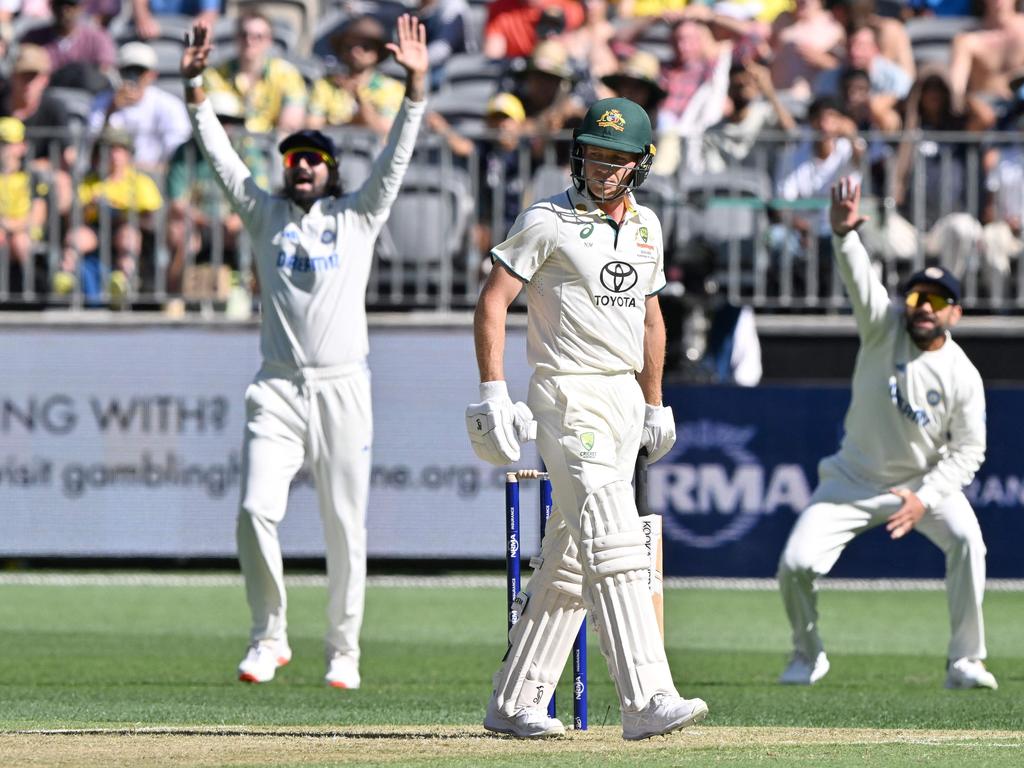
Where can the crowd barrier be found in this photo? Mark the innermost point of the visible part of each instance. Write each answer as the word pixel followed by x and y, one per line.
pixel 727 234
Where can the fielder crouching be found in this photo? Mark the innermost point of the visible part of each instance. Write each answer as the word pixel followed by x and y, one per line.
pixel 591 261
pixel 915 436
pixel 311 399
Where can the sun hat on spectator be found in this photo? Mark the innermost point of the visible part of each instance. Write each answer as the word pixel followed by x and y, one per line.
pixel 366 28
pixel 12 130
pixel 506 104
pixel 117 137
pixel 136 54
pixel 550 57
pixel 642 67
pixel 32 58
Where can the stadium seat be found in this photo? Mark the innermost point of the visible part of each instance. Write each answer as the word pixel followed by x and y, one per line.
pixel 471 67
pixel 465 102
pixel 424 236
pixel 932 36
pixel 726 213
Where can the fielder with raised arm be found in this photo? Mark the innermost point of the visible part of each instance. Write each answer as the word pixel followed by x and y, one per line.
pixel 591 260
pixel 915 436
pixel 312 246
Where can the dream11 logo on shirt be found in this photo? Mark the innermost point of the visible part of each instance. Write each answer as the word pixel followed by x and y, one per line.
pixel 711 489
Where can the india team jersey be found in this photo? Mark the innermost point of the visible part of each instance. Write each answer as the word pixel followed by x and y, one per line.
pixel 914 416
pixel 587 282
pixel 313 265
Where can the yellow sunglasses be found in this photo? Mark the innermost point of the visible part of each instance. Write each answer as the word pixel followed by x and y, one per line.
pixel 937 301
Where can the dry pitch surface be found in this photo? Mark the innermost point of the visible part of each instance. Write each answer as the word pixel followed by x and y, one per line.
pixel 207 747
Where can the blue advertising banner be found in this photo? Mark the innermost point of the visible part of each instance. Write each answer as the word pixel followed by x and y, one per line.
pixel 745 465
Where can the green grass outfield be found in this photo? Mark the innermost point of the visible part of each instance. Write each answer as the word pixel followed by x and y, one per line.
pixel 163 657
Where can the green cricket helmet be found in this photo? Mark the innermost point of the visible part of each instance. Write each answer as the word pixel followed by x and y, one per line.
pixel 618 124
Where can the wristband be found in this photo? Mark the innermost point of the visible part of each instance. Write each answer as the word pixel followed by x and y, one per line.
pixel 195 82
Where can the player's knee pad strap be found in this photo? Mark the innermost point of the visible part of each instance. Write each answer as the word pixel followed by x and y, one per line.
pixel 611 537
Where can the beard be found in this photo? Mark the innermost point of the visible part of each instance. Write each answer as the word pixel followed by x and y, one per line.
pixel 924 334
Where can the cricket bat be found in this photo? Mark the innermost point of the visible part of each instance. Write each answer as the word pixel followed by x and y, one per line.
pixel 651 526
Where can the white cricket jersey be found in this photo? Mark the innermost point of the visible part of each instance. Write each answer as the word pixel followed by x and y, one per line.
pixel 914 416
pixel 313 267
pixel 587 282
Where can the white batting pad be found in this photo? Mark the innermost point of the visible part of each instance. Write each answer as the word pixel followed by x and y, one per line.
pixel 616 572
pixel 540 642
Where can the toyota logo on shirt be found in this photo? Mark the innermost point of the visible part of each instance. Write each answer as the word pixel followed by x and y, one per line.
pixel 618 276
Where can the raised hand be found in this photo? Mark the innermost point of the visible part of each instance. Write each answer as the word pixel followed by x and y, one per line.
pixel 198 45
pixel 843 214
pixel 411 49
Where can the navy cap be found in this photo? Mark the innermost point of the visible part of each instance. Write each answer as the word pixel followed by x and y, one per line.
pixel 938 276
pixel 309 140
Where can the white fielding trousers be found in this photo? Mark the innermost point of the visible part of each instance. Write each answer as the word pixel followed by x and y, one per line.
pixel 323 416
pixel 841 509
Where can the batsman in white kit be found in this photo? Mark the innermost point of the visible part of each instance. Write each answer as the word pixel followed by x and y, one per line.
pixel 915 436
pixel 591 260
pixel 312 246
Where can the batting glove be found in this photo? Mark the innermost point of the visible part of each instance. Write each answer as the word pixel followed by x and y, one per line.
pixel 659 431
pixel 497 426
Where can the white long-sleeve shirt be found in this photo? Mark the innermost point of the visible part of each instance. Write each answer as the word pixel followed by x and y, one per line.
pixel 916 418
pixel 313 267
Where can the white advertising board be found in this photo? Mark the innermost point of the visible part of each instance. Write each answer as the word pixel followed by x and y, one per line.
pixel 125 442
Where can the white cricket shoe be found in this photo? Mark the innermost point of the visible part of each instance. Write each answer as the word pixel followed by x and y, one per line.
pixel 969 673
pixel 262 660
pixel 663 714
pixel 800 671
pixel 342 671
pixel 526 723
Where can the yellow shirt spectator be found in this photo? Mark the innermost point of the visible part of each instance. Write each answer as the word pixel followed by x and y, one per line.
pixel 15 196
pixel 132 191
pixel 338 107
pixel 281 86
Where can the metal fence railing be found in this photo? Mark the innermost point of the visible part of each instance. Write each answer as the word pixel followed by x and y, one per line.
pixel 736 233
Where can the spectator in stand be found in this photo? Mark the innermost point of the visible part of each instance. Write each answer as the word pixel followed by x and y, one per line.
pixel 147 13
pixel 639 80
pixel 355 92
pixel 197 203
pixel 445 22
pixel 648 9
pixel 696 82
pixel 1003 215
pixel 272 90
pixel 753 107
pixel 81 53
pixel 499 164
pixel 889 83
pixel 545 89
pixel 933 213
pixel 590 46
pixel 25 97
pixel 511 29
pixel 983 61
pixel 698 60
pixel 893 40
pixel 833 152
pixel 23 194
pixel 939 8
pixel 156 119
pixel 130 198
pixel 806 42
